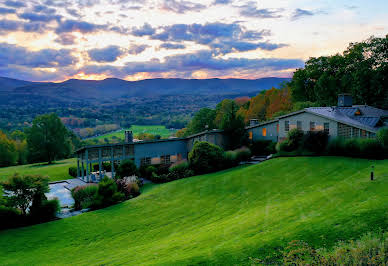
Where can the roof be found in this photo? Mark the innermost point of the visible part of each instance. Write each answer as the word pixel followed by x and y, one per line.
pixel 263 123
pixel 368 118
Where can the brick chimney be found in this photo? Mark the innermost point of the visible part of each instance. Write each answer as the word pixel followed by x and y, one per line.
pixel 128 136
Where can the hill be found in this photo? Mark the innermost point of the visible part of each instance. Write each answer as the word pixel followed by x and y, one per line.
pixel 220 218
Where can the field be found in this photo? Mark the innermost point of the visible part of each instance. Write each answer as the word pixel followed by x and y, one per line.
pixel 221 218
pixel 155 130
pixel 56 171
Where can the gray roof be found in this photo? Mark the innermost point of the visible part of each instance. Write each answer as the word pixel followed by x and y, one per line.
pixel 368 119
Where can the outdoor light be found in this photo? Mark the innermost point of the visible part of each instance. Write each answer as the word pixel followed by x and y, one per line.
pixel 371 173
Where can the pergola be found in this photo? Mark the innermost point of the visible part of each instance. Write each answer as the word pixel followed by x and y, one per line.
pixel 88 155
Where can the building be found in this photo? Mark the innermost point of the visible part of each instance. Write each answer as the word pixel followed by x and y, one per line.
pixel 345 120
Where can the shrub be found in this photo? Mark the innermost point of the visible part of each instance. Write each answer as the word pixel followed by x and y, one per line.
pixel 46 211
pixel 315 141
pixel 205 158
pixel 129 186
pixel 181 170
pixel 126 168
pixel 263 147
pixel 107 194
pixel 362 148
pixel 295 138
pixel 84 196
pixel 147 170
pixel 336 147
pixel 372 149
pixel 382 136
pixel 230 159
pixel 158 179
pixel 10 217
pixel 243 154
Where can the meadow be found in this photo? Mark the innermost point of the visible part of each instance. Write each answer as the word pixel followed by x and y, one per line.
pixel 219 218
pixel 59 170
pixel 137 129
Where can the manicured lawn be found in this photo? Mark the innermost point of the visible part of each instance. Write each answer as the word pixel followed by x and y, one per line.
pixel 222 218
pixel 56 171
pixel 155 130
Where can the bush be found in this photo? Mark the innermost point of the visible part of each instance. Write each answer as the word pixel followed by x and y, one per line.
pixel 126 168
pixel 84 196
pixel 73 171
pixel 315 141
pixel 295 139
pixel 10 217
pixel 336 147
pixel 129 186
pixel 361 148
pixel 230 159
pixel 181 170
pixel 382 137
pixel 147 170
pixel 263 147
pixel 107 194
pixel 372 149
pixel 158 179
pixel 46 211
pixel 243 154
pixel 206 158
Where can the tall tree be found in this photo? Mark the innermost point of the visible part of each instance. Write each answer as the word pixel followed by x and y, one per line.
pixel 8 152
pixel 48 139
pixel 202 120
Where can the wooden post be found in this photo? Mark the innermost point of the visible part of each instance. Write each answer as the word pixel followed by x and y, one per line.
pixel 78 170
pixel 82 169
pixel 112 162
pixel 87 166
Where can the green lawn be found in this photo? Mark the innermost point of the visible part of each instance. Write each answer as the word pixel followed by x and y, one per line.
pixel 222 218
pixel 56 171
pixel 155 130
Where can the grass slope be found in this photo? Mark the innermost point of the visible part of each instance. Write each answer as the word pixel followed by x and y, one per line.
pixel 56 171
pixel 136 129
pixel 221 218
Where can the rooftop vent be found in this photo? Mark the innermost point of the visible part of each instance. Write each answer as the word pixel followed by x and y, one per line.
pixel 345 100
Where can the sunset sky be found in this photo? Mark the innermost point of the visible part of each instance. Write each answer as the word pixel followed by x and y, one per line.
pixel 52 40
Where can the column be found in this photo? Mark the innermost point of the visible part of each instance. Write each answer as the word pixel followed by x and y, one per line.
pixel 99 163
pixel 83 170
pixel 87 166
pixel 78 172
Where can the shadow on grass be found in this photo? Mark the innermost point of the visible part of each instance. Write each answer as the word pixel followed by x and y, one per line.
pixel 46 164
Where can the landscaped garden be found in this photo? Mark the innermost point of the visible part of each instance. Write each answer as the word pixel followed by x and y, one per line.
pixel 218 218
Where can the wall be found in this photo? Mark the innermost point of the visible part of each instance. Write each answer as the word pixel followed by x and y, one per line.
pixel 159 148
pixel 271 130
pixel 216 138
pixel 306 118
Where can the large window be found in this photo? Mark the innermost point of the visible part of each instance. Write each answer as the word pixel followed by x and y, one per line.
pixel 286 125
pixel 264 132
pixel 250 135
pixel 312 126
pixel 145 161
pixel 326 128
pixel 299 125
pixel 165 159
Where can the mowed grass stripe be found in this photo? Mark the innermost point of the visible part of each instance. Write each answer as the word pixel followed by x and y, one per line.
pixel 220 218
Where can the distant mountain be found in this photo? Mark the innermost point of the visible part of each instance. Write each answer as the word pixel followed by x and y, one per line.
pixel 74 89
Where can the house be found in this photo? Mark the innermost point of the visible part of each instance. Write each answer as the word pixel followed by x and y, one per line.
pixel 345 120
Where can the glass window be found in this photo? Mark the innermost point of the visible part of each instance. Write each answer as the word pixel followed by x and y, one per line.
pixel 299 125
pixel 250 135
pixel 165 159
pixel 287 125
pixel 145 161
pixel 264 133
pixel 326 128
pixel 312 126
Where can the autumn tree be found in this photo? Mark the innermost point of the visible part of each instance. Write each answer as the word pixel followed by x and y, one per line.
pixel 8 151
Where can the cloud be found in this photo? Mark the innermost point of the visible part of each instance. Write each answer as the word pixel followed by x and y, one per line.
pixel 4 11
pixel 107 54
pixel 222 2
pixel 250 10
pixel 66 39
pixel 299 13
pixel 201 60
pixel 43 9
pixel 74 25
pixel 11 54
pixel 145 30
pixel 168 45
pixel 39 17
pixel 137 48
pixel 9 25
pixel 15 4
pixel 181 6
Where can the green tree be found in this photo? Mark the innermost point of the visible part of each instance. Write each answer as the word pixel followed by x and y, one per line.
pixel 48 139
pixel 22 190
pixel 205 157
pixel 126 168
pixel 202 120
pixel 8 152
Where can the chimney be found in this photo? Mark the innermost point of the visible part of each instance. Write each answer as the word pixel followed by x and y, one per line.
pixel 128 136
pixel 253 122
pixel 345 100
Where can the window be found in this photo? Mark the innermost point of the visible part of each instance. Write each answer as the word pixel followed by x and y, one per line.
pixel 363 134
pixel 264 132
pixel 312 126
pixel 250 135
pixel 326 128
pixel 145 161
pixel 299 125
pixel 286 125
pixel 277 128
pixel 165 159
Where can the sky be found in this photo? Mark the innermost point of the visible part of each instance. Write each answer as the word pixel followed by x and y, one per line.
pixel 53 40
